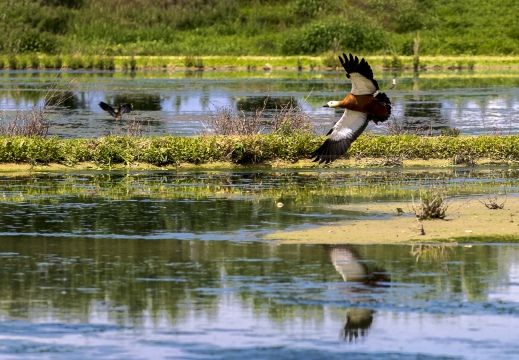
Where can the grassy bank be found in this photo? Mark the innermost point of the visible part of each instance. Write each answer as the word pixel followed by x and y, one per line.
pixel 253 149
pixel 269 27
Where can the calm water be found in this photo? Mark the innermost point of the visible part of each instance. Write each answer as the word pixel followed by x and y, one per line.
pixel 180 103
pixel 171 265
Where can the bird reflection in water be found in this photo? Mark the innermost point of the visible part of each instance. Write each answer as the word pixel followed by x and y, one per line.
pixel 350 266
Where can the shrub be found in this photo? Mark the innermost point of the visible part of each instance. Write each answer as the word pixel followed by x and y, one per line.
pixel 310 8
pixel 319 37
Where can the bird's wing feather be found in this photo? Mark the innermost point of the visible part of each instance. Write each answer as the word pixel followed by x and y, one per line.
pixel 125 108
pixel 360 74
pixel 108 108
pixel 344 132
pixel 360 85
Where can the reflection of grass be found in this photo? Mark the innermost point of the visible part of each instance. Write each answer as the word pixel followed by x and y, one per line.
pixel 303 187
pixel 431 253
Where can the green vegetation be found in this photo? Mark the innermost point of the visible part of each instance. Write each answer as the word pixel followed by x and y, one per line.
pixel 92 33
pixel 250 149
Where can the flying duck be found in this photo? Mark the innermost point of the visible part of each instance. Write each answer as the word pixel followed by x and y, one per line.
pixel 362 104
pixel 116 113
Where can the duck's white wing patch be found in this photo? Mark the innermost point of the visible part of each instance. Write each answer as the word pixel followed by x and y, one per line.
pixel 344 132
pixel 360 85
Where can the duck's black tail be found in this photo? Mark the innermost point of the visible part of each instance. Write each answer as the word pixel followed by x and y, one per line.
pixel 384 100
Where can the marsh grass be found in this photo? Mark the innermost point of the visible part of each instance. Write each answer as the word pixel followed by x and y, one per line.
pixel 431 205
pixel 134 128
pixel 35 122
pixel 284 120
pixel 289 119
pixel 228 121
pixel 397 125
pixel 467 158
pixel 245 149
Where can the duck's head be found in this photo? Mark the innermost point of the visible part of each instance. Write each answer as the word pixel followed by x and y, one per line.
pixel 332 104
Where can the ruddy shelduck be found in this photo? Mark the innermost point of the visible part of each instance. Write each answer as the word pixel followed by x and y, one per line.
pixel 362 104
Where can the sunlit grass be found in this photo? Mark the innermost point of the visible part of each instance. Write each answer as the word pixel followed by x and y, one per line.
pixel 250 149
pixel 260 149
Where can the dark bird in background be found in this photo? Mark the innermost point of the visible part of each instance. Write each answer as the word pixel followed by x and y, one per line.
pixel 362 104
pixel 116 113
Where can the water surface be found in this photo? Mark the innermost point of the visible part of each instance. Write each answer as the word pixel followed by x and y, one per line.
pixel 164 265
pixel 181 103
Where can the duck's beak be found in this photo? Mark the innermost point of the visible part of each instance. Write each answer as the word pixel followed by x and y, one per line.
pixel 325 105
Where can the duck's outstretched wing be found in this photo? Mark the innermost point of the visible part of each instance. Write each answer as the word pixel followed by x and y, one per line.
pixel 340 137
pixel 108 108
pixel 360 74
pixel 125 108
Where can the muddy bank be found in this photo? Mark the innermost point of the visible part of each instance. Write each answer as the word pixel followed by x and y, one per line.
pixel 467 220
pixel 22 168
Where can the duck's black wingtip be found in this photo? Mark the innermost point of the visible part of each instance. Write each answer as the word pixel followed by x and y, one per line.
pixel 352 64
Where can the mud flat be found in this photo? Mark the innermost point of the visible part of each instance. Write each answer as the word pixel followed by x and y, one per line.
pixel 468 220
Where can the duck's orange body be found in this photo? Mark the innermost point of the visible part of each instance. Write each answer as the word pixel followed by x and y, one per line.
pixel 364 103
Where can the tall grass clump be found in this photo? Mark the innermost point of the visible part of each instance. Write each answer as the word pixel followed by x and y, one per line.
pixel 431 205
pixel 287 119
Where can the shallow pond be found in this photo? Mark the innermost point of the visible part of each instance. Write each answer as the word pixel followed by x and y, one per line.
pixel 181 103
pixel 172 265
